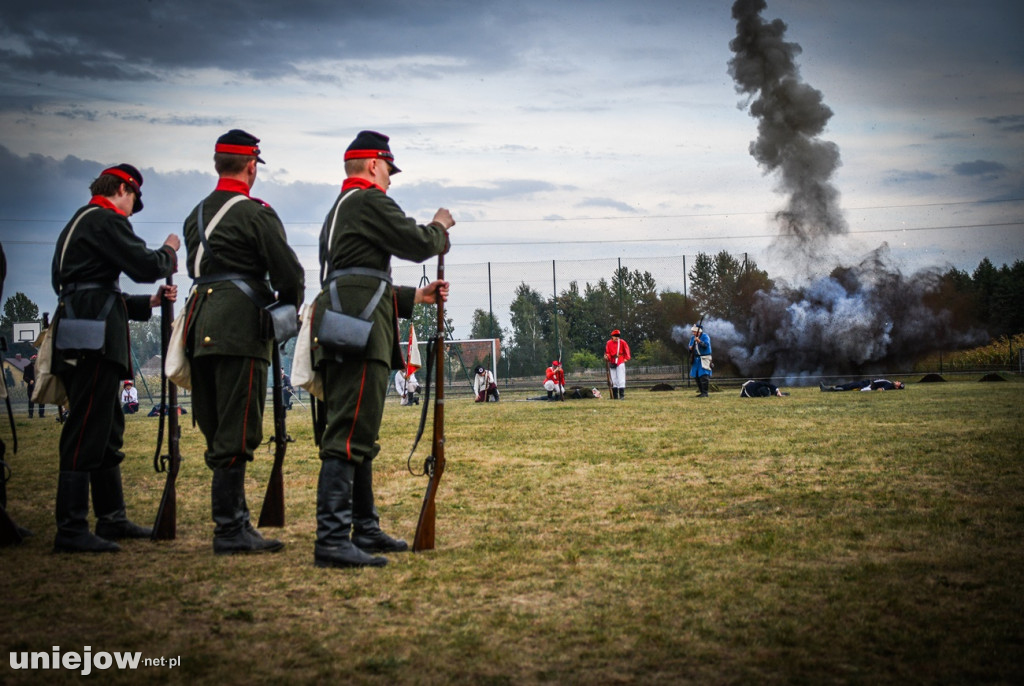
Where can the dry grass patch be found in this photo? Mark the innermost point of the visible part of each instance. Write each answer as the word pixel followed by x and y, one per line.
pixel 850 537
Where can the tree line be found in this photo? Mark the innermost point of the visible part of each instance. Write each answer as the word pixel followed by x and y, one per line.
pixel 574 326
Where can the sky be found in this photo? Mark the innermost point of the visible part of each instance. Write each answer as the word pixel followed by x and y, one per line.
pixel 553 131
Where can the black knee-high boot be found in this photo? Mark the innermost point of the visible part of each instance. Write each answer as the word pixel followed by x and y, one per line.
pixel 73 535
pixel 112 522
pixel 334 547
pixel 10 532
pixel 232 532
pixel 366 532
pixel 705 384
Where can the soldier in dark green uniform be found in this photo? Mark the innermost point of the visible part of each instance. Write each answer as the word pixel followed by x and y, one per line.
pixel 228 336
pixel 363 230
pixel 10 533
pixel 91 252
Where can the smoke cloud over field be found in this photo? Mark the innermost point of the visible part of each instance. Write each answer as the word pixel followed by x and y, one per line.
pixel 863 320
pixel 841 320
pixel 791 115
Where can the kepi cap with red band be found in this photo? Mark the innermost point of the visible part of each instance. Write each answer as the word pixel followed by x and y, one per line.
pixel 131 176
pixel 238 142
pixel 371 145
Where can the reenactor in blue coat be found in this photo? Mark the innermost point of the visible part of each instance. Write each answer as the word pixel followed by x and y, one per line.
pixel 95 247
pixel 234 242
pixel 700 355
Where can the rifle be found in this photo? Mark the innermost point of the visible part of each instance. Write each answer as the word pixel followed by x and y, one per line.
pixel 608 376
pixel 7 399
pixel 165 526
pixel 272 513
pixel 433 467
pixel 696 340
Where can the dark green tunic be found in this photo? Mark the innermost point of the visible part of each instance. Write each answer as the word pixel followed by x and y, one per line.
pixel 227 337
pixel 102 247
pixel 369 229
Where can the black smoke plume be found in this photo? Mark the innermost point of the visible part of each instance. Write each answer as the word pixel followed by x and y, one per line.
pixel 857 320
pixel 791 115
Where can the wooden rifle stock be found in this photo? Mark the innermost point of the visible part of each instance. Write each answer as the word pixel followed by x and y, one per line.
pixel 165 526
pixel 272 512
pixel 434 467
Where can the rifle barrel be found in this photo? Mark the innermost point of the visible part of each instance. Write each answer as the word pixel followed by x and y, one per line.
pixel 424 539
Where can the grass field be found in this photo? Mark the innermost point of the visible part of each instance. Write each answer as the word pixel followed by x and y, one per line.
pixel 819 538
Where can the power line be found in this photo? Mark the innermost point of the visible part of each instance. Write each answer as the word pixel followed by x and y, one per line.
pixel 677 239
pixel 645 217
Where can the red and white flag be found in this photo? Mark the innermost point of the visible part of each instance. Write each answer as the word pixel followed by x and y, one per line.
pixel 412 357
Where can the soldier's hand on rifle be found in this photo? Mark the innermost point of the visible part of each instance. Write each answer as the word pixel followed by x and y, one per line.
pixel 173 241
pixel 427 295
pixel 165 292
pixel 444 218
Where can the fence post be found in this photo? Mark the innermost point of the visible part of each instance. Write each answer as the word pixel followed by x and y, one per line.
pixel 554 285
pixel 622 315
pixel 686 300
pixel 490 300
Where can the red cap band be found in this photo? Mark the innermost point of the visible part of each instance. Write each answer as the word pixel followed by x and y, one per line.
pixel 124 176
pixel 368 154
pixel 251 150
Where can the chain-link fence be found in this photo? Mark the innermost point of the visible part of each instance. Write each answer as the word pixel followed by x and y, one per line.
pixel 575 305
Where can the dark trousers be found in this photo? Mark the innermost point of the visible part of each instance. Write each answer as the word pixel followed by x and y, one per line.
pixel 228 396
pixel 354 398
pixel 93 434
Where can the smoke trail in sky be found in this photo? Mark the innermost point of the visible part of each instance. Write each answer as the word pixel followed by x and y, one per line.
pixel 857 320
pixel 791 115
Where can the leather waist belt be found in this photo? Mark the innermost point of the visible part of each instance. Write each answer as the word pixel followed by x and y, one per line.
pixel 69 288
pixel 359 271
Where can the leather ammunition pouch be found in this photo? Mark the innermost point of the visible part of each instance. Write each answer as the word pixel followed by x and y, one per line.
pixel 344 333
pixel 87 335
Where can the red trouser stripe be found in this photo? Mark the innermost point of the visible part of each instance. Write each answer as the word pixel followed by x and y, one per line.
pixel 355 418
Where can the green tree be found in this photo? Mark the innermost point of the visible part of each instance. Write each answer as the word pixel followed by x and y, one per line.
pixel 1006 308
pixel 485 326
pixel 985 279
pixel 724 287
pixel 529 345
pixel 638 294
pixel 18 308
pixel 424 318
pixel 145 339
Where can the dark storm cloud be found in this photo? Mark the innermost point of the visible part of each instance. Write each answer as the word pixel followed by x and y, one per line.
pixel 979 168
pixel 111 41
pixel 1011 123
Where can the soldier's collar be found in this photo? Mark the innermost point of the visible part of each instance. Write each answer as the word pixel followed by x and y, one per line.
pixel 233 186
pixel 359 182
pixel 104 202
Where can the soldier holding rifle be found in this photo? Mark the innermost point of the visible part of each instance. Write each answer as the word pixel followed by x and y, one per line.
pixel 700 356
pixel 361 233
pixel 95 247
pixel 233 242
